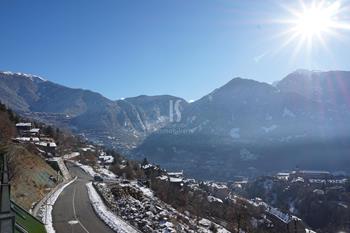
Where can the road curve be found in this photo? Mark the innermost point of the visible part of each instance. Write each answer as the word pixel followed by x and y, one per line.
pixel 73 212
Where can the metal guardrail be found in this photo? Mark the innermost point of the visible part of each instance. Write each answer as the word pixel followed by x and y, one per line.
pixel 7 216
pixel 20 229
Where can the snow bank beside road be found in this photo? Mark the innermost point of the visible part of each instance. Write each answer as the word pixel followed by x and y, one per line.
pixel 106 215
pixel 46 210
pixel 105 173
pixel 89 170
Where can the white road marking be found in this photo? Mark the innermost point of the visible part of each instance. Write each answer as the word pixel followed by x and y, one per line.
pixel 73 200
pixel 74 212
pixel 73 222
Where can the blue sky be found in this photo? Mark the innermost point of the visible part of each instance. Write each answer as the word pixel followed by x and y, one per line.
pixel 124 48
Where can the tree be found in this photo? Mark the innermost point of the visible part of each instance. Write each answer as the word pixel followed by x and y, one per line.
pixel 49 131
pixel 12 116
pixel 144 162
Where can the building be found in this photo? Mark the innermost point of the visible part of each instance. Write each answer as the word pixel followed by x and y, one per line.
pixel 310 174
pixel 218 189
pixel 283 176
pixel 35 132
pixel 106 159
pixel 23 128
pixel 48 147
pixel 176 178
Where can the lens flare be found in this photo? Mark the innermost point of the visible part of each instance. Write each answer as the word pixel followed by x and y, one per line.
pixel 313 23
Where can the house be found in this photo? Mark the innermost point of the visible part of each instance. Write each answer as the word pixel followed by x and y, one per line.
pixel 26 139
pixel 152 170
pixel 23 128
pixel 176 178
pixel 283 176
pixel 310 174
pixel 48 147
pixel 176 174
pixel 34 132
pixel 239 184
pixel 218 189
pixel 298 180
pixel 106 159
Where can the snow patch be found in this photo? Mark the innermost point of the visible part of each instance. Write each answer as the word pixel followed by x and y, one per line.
pixel 288 113
pixel 268 117
pixel 106 173
pixel 269 128
pixel 89 170
pixel 309 231
pixel 146 191
pixel 214 199
pixel 234 133
pixel 246 155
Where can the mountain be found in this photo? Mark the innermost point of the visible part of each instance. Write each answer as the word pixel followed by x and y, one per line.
pixel 121 123
pixel 330 87
pixel 247 127
pixel 247 110
pixel 242 128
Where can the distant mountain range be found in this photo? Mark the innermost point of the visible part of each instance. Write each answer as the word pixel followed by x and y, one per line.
pixel 242 128
pixel 121 123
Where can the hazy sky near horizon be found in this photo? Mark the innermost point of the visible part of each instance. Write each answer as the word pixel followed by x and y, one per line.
pixel 187 48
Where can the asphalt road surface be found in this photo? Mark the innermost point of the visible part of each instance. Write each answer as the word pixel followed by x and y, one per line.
pixel 72 212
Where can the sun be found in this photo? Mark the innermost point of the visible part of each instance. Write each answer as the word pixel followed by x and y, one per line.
pixel 315 19
pixel 313 22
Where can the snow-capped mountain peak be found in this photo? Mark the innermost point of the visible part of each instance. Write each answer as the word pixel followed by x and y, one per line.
pixel 31 77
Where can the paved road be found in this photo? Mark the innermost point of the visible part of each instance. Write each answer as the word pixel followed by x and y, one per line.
pixel 72 212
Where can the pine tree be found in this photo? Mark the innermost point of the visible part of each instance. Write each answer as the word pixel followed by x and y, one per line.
pixel 144 162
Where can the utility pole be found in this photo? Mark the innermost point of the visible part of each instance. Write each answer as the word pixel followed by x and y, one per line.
pixel 7 217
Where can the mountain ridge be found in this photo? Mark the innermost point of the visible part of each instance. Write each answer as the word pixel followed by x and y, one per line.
pixel 237 123
pixel 84 111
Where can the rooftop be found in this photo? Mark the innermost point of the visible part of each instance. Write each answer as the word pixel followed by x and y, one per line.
pixel 26 124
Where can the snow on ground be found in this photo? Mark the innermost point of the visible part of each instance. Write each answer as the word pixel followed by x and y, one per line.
pixel 89 170
pixel 214 199
pixel 146 191
pixel 246 155
pixel 204 225
pixel 234 133
pixel 46 210
pixel 269 128
pixel 71 155
pixel 106 215
pixel 268 117
pixel 286 218
pixel 309 231
pixel 288 113
pixel 106 173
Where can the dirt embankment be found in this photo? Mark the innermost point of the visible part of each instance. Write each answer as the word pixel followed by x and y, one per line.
pixel 31 176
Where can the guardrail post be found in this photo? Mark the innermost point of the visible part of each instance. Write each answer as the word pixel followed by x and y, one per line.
pixel 7 217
